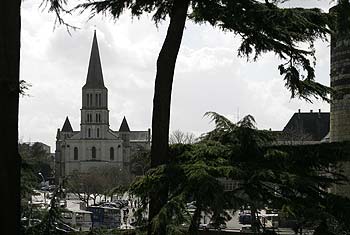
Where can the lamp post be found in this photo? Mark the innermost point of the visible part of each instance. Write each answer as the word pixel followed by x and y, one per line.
pixel 43 183
pixel 42 177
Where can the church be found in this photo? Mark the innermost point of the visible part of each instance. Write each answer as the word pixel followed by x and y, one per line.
pixel 95 144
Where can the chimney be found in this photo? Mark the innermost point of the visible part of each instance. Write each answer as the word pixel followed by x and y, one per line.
pixel 311 111
pixel 299 113
pixel 319 113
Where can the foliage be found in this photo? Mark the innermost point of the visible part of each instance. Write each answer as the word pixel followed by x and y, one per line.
pixel 263 27
pixel 140 162
pixel 51 220
pixel 180 137
pixel 23 87
pixel 290 178
pixel 34 160
pixel 97 182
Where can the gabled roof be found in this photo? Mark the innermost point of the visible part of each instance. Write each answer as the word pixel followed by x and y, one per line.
pixel 311 126
pixel 67 127
pixel 94 77
pixel 124 127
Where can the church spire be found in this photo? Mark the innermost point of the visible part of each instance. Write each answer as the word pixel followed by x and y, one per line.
pixel 94 77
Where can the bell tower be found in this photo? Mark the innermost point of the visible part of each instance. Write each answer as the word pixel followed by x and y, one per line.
pixel 94 122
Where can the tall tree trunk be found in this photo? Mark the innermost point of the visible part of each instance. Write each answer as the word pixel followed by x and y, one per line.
pixel 193 229
pixel 254 223
pixel 162 99
pixel 10 27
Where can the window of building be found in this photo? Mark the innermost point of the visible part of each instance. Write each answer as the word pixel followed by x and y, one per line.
pixel 75 153
pixel 96 97
pixel 89 132
pixel 98 132
pixel 87 99
pixel 99 100
pixel 111 153
pixel 99 117
pixel 96 117
pixel 90 100
pixel 93 152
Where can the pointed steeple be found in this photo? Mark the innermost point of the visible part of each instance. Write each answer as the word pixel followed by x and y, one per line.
pixel 94 77
pixel 67 127
pixel 124 127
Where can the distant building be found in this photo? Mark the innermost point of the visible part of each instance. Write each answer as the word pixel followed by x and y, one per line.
pixel 305 128
pixel 95 144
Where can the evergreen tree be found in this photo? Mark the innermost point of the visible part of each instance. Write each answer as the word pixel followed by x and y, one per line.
pixel 292 179
pixel 263 26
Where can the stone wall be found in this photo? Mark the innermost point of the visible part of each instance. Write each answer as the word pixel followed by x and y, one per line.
pixel 340 82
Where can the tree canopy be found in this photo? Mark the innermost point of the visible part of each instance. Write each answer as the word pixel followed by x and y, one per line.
pixel 264 26
pixel 292 179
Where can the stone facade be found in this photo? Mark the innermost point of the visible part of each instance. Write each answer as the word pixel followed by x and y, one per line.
pixel 340 82
pixel 96 145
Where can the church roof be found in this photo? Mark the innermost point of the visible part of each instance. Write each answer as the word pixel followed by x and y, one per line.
pixel 94 77
pixel 67 127
pixel 124 127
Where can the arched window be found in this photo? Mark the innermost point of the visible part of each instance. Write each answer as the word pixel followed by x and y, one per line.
pixel 87 100
pixel 98 132
pixel 96 117
pixel 89 132
pixel 96 97
pixel 93 152
pixel 111 153
pixel 99 100
pixel 75 153
pixel 99 117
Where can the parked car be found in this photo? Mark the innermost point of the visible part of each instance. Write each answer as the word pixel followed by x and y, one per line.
pixel 245 218
pixel 212 225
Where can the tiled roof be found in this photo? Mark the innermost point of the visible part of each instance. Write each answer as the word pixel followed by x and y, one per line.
pixel 310 126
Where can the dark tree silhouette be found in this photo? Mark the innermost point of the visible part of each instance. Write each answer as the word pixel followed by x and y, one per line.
pixel 263 27
pixel 10 25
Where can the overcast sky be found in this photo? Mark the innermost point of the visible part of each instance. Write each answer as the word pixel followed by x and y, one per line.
pixel 209 76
